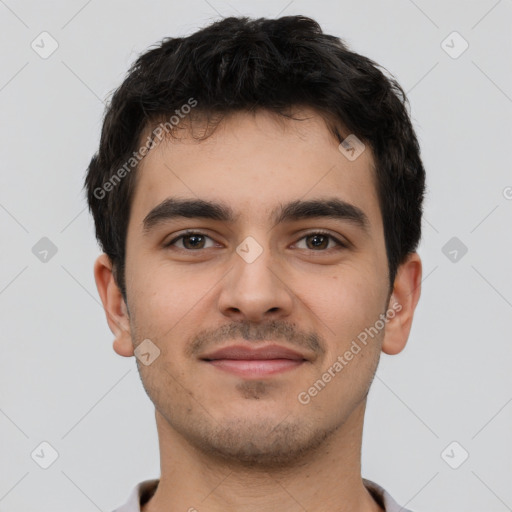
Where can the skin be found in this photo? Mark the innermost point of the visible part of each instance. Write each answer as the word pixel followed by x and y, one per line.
pixel 233 443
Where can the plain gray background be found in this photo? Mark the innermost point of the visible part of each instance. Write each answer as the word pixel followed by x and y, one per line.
pixel 61 382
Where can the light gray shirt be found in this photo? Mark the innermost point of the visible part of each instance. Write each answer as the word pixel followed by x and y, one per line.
pixel 143 491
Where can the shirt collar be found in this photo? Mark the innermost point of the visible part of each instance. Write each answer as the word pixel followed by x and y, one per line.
pixel 143 491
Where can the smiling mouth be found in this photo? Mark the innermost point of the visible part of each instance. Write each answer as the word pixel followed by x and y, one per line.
pixel 256 367
pixel 249 361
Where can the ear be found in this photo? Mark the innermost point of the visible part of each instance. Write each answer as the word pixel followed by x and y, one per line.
pixel 113 303
pixel 402 303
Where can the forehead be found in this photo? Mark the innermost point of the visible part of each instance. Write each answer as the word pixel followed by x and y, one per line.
pixel 254 162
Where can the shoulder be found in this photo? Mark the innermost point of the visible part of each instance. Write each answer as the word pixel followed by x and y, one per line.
pixel 140 494
pixel 383 498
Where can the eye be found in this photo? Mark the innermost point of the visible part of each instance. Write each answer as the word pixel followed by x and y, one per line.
pixel 319 240
pixel 190 241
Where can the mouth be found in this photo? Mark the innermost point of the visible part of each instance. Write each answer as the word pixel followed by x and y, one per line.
pixel 255 362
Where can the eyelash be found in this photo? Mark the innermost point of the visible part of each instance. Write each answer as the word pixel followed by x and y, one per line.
pixel 316 232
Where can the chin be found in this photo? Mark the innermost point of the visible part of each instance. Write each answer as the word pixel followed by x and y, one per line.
pixel 263 443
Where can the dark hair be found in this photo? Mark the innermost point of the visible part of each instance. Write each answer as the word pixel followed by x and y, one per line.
pixel 243 64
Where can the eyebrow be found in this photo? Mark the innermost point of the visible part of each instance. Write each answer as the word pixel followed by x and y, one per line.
pixel 332 208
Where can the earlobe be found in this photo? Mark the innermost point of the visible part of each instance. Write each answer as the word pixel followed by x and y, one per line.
pixel 402 304
pixel 115 308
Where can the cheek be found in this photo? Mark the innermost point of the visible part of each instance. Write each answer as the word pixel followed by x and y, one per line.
pixel 345 308
pixel 345 303
pixel 167 298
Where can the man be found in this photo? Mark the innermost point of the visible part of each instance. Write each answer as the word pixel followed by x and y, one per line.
pixel 258 195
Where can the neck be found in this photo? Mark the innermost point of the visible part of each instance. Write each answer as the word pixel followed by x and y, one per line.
pixel 327 480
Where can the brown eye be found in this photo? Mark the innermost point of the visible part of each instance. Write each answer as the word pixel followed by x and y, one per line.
pixel 193 241
pixel 319 241
pixel 190 241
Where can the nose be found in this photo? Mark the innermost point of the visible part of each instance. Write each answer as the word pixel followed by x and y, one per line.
pixel 255 291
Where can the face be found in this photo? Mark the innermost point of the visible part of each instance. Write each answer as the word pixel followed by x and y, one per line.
pixel 223 251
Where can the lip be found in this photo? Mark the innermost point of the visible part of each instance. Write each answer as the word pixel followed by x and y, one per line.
pixel 255 362
pixel 241 352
